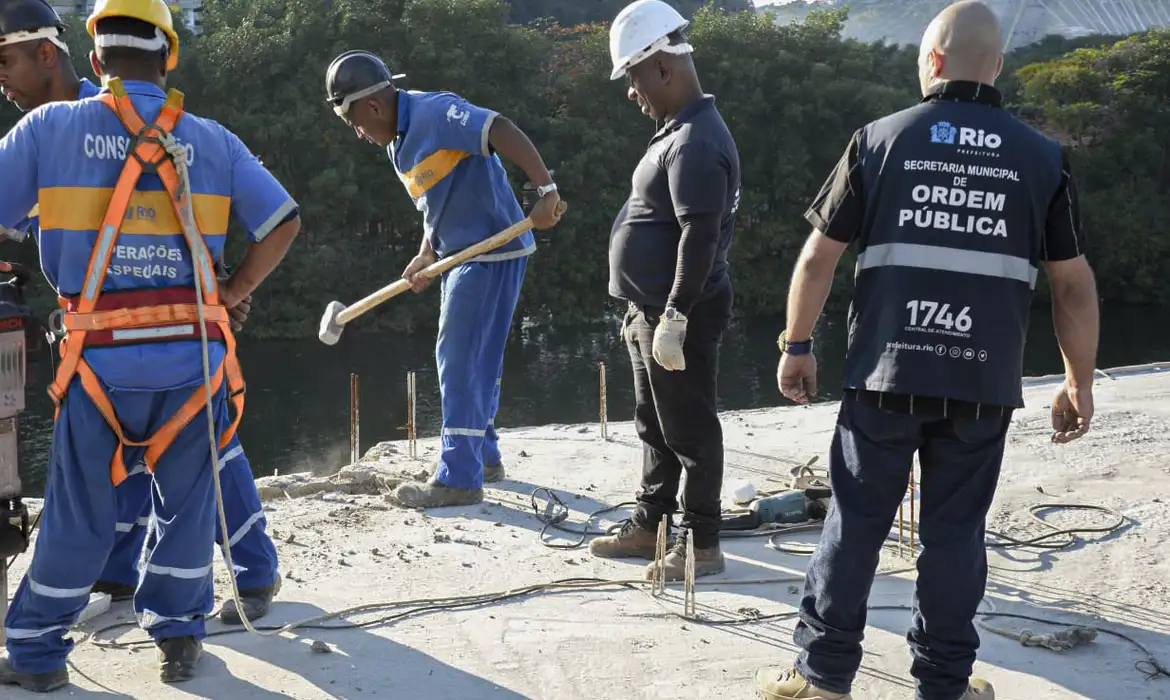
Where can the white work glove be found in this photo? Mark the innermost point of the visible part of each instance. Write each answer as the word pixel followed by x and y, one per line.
pixel 668 340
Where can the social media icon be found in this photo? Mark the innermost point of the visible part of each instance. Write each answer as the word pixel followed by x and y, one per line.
pixel 955 352
pixel 940 349
pixel 968 354
pixel 982 355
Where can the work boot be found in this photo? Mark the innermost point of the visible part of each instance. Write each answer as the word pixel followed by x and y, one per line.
pixel 435 495
pixel 177 658
pixel 492 473
pixel 978 689
pixel 708 561
pixel 786 683
pixel 631 541
pixel 45 682
pixel 256 603
pixel 118 592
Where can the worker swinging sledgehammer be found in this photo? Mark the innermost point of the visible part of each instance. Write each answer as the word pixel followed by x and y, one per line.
pixel 34 70
pixel 446 152
pixel 148 364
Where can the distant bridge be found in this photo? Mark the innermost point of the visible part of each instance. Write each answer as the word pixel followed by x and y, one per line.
pixel 1081 17
pixel 1024 21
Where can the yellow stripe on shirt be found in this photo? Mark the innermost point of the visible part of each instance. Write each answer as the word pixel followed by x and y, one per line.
pixel 149 213
pixel 430 171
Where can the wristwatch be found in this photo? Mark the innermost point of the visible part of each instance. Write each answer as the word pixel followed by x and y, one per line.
pixel 788 347
pixel 545 189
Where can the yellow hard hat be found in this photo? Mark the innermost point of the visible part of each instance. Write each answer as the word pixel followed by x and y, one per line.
pixel 155 12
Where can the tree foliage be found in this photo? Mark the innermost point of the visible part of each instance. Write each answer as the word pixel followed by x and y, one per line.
pixel 1112 106
pixel 792 94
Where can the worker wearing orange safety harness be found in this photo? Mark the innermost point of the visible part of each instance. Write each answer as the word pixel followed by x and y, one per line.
pixel 134 198
pixel 34 70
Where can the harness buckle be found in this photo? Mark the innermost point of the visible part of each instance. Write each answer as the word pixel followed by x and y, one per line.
pixel 146 135
pixel 55 323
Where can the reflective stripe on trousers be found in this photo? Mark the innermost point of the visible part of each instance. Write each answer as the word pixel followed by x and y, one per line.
pixel 253 552
pixel 478 303
pixel 79 521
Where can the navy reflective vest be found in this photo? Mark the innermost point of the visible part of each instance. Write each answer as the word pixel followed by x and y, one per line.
pixel 956 196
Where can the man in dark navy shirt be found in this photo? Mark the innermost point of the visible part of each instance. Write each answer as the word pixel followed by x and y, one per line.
pixel 668 261
pixel 953 206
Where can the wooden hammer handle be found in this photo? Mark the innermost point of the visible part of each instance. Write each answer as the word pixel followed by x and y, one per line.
pixel 434 270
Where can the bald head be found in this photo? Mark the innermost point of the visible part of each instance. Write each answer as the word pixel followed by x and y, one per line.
pixel 963 42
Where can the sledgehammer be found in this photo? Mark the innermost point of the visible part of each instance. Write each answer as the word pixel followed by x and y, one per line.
pixel 338 314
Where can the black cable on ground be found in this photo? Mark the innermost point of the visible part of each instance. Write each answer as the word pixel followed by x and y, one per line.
pixel 1149 666
pixel 556 512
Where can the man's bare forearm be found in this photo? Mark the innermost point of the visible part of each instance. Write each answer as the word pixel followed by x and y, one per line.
pixel 1076 320
pixel 811 281
pixel 509 141
pixel 262 258
pixel 425 248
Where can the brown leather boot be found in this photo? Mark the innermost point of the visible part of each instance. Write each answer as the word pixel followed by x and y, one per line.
pixel 708 561
pixel 631 541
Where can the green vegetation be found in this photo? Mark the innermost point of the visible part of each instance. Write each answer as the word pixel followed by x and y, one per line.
pixel 792 94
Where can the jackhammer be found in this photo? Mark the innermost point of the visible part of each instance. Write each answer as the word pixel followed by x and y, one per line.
pixel 20 333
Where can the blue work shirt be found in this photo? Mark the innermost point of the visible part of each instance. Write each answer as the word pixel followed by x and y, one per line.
pixel 32 223
pixel 68 155
pixel 456 180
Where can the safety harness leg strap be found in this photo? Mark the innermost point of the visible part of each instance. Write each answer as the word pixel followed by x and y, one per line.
pixel 149 153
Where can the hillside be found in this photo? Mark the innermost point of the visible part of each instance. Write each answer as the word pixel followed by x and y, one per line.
pixel 902 21
pixel 572 12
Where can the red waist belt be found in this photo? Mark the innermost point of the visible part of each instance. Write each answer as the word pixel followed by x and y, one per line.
pixel 137 316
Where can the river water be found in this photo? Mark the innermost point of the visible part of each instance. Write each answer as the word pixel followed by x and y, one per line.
pixel 297 415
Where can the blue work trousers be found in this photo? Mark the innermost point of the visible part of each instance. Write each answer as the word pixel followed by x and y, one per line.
pixel 253 552
pixel 80 514
pixel 869 469
pixel 478 302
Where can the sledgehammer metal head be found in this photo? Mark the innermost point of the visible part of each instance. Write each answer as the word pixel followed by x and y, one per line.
pixel 330 330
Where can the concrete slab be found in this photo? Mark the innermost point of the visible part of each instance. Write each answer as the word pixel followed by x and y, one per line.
pixel 342 546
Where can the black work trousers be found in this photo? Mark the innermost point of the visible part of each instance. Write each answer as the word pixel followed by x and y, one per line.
pixel 676 417
pixel 869 468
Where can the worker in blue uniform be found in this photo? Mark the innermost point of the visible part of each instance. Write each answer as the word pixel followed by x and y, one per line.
pixel 118 244
pixel 447 153
pixel 34 70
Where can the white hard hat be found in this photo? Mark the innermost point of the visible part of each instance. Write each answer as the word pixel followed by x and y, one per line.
pixel 642 29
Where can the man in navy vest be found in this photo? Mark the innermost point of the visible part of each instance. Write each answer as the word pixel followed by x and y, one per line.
pixel 952 206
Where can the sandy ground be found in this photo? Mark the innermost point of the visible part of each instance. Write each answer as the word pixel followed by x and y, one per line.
pixel 343 549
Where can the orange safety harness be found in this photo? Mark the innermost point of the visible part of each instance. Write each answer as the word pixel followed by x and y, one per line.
pixel 145 315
